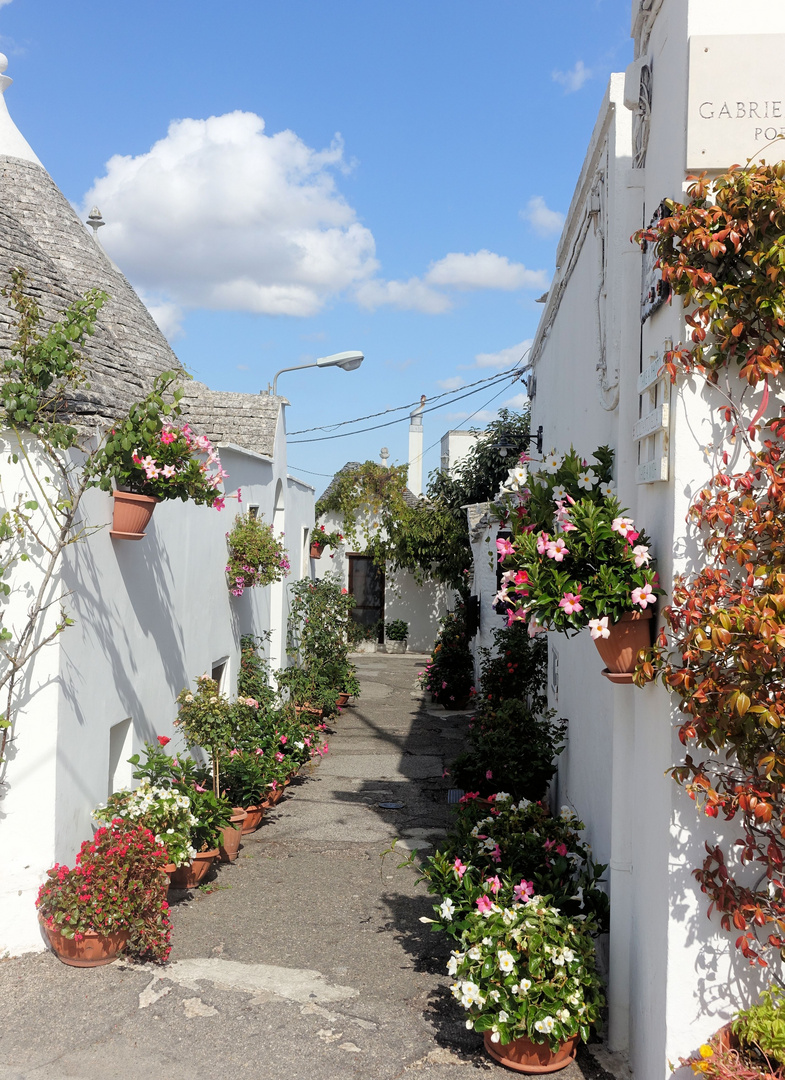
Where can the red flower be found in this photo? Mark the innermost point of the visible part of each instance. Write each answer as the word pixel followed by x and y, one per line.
pixel 164 739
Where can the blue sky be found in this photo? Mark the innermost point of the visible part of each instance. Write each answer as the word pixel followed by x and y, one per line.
pixel 286 180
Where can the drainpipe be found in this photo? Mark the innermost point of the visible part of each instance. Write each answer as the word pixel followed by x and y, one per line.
pixel 621 875
pixel 414 483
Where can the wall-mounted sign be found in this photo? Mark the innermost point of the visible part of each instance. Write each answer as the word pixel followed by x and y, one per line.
pixel 654 291
pixel 651 432
pixel 736 102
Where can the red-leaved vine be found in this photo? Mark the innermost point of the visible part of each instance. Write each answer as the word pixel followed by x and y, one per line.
pixel 723 652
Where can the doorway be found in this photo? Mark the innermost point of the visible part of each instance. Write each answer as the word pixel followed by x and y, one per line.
pixel 366 585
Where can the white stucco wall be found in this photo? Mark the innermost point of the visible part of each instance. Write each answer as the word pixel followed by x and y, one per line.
pixel 150 616
pixel 674 976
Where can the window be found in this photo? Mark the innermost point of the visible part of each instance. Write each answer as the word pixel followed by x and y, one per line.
pixel 218 672
pixel 120 749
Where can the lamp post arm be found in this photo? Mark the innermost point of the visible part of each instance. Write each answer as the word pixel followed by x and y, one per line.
pixel 297 367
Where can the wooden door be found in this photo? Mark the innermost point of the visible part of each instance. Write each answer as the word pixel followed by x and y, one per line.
pixel 366 584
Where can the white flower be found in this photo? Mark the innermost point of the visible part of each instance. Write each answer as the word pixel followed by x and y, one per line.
pixel 452 963
pixel 553 462
pixel 494 996
pixel 470 994
pixel 559 492
pixel 502 796
pixel 506 961
pixel 599 628
pixel 563 1015
pixel 514 988
pixel 568 955
pixel 446 910
pixel 641 555
pixel 566 814
pixel 587 479
pixel 546 1025
pixel 474 953
pixel 525 986
pixel 487 941
pixel 495 1036
pixel 470 1024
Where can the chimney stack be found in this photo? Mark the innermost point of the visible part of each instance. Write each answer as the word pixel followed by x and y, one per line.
pixel 414 482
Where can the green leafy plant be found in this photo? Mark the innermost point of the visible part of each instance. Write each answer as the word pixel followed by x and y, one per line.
pixel 449 674
pixel 151 452
pixel 589 566
pixel 761 1028
pixel 166 812
pixel 117 884
pixel 256 556
pixel 205 719
pixel 322 538
pixel 527 970
pixel 396 629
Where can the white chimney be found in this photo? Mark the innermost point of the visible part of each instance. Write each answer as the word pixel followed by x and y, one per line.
pixel 414 482
pixel 12 141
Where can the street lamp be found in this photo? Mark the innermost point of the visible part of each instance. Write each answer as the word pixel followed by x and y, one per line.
pixel 349 361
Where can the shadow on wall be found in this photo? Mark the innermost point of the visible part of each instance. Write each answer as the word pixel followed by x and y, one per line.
pixel 421 606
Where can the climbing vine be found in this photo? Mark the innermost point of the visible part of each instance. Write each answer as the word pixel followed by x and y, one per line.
pixel 723 652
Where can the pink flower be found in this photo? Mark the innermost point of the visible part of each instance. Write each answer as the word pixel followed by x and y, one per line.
pixel 641 555
pixel 459 868
pixel 561 849
pixel 516 616
pixel 599 628
pixel 496 854
pixel 542 543
pixel 494 884
pixel 549 844
pixel 557 549
pixel 284 740
pixel 643 597
pixel 198 787
pixel 258 752
pixel 489 775
pixel 523 891
pixel 504 548
pixel 622 525
pixel 168 436
pixel 631 536
pixel 484 904
pixel 233 753
pixel 278 756
pixel 571 602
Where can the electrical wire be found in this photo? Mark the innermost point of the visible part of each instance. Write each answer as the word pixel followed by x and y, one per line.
pixel 377 427
pixel 487 403
pixel 490 379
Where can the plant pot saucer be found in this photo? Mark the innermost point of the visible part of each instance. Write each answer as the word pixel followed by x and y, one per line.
pixel 618 676
pixel 118 535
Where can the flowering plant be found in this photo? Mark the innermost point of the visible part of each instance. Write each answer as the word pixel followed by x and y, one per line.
pixel 166 812
pixel 322 538
pixel 256 556
pixel 527 970
pixel 510 849
pixel 117 884
pixel 449 674
pixel 573 559
pixel 206 720
pixel 151 452
pixel 756 1048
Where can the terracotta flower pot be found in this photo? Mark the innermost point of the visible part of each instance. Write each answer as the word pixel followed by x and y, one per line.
pixel 342 700
pixel 523 1055
pixel 316 551
pixel 93 950
pixel 275 796
pixel 627 637
pixel 230 845
pixel 253 819
pixel 309 710
pixel 189 875
pixel 131 514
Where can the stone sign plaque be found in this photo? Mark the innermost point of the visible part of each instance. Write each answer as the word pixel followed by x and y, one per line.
pixel 736 103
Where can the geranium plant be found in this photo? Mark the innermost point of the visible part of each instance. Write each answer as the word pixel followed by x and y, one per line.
pixel 256 556
pixel 322 538
pixel 117 884
pixel 527 970
pixel 574 558
pixel 153 452
pixel 166 812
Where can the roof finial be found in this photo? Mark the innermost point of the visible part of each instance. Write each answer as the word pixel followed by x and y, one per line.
pixel 95 221
pixel 12 141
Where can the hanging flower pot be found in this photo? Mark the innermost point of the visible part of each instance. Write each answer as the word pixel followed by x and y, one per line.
pixel 131 514
pixel 316 551
pixel 626 638
pixel 89 950
pixel 523 1055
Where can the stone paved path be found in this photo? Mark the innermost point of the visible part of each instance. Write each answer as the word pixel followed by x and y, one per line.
pixel 307 960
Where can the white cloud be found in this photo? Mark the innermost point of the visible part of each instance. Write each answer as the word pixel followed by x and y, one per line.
pixel 573 79
pixel 220 215
pixel 543 220
pixel 505 358
pixel 518 403
pixel 167 315
pixel 455 382
pixel 483 270
pixel 411 295
pixel 477 419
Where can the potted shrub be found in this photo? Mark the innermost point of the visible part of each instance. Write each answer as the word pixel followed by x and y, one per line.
pixel 256 556
pixel 166 812
pixel 151 455
pixel 750 1047
pixel 449 674
pixel 205 718
pixel 321 538
pixel 112 900
pixel 575 560
pixel 396 631
pixel 526 975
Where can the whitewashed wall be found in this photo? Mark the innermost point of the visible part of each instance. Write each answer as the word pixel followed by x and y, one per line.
pixel 674 976
pixel 150 616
